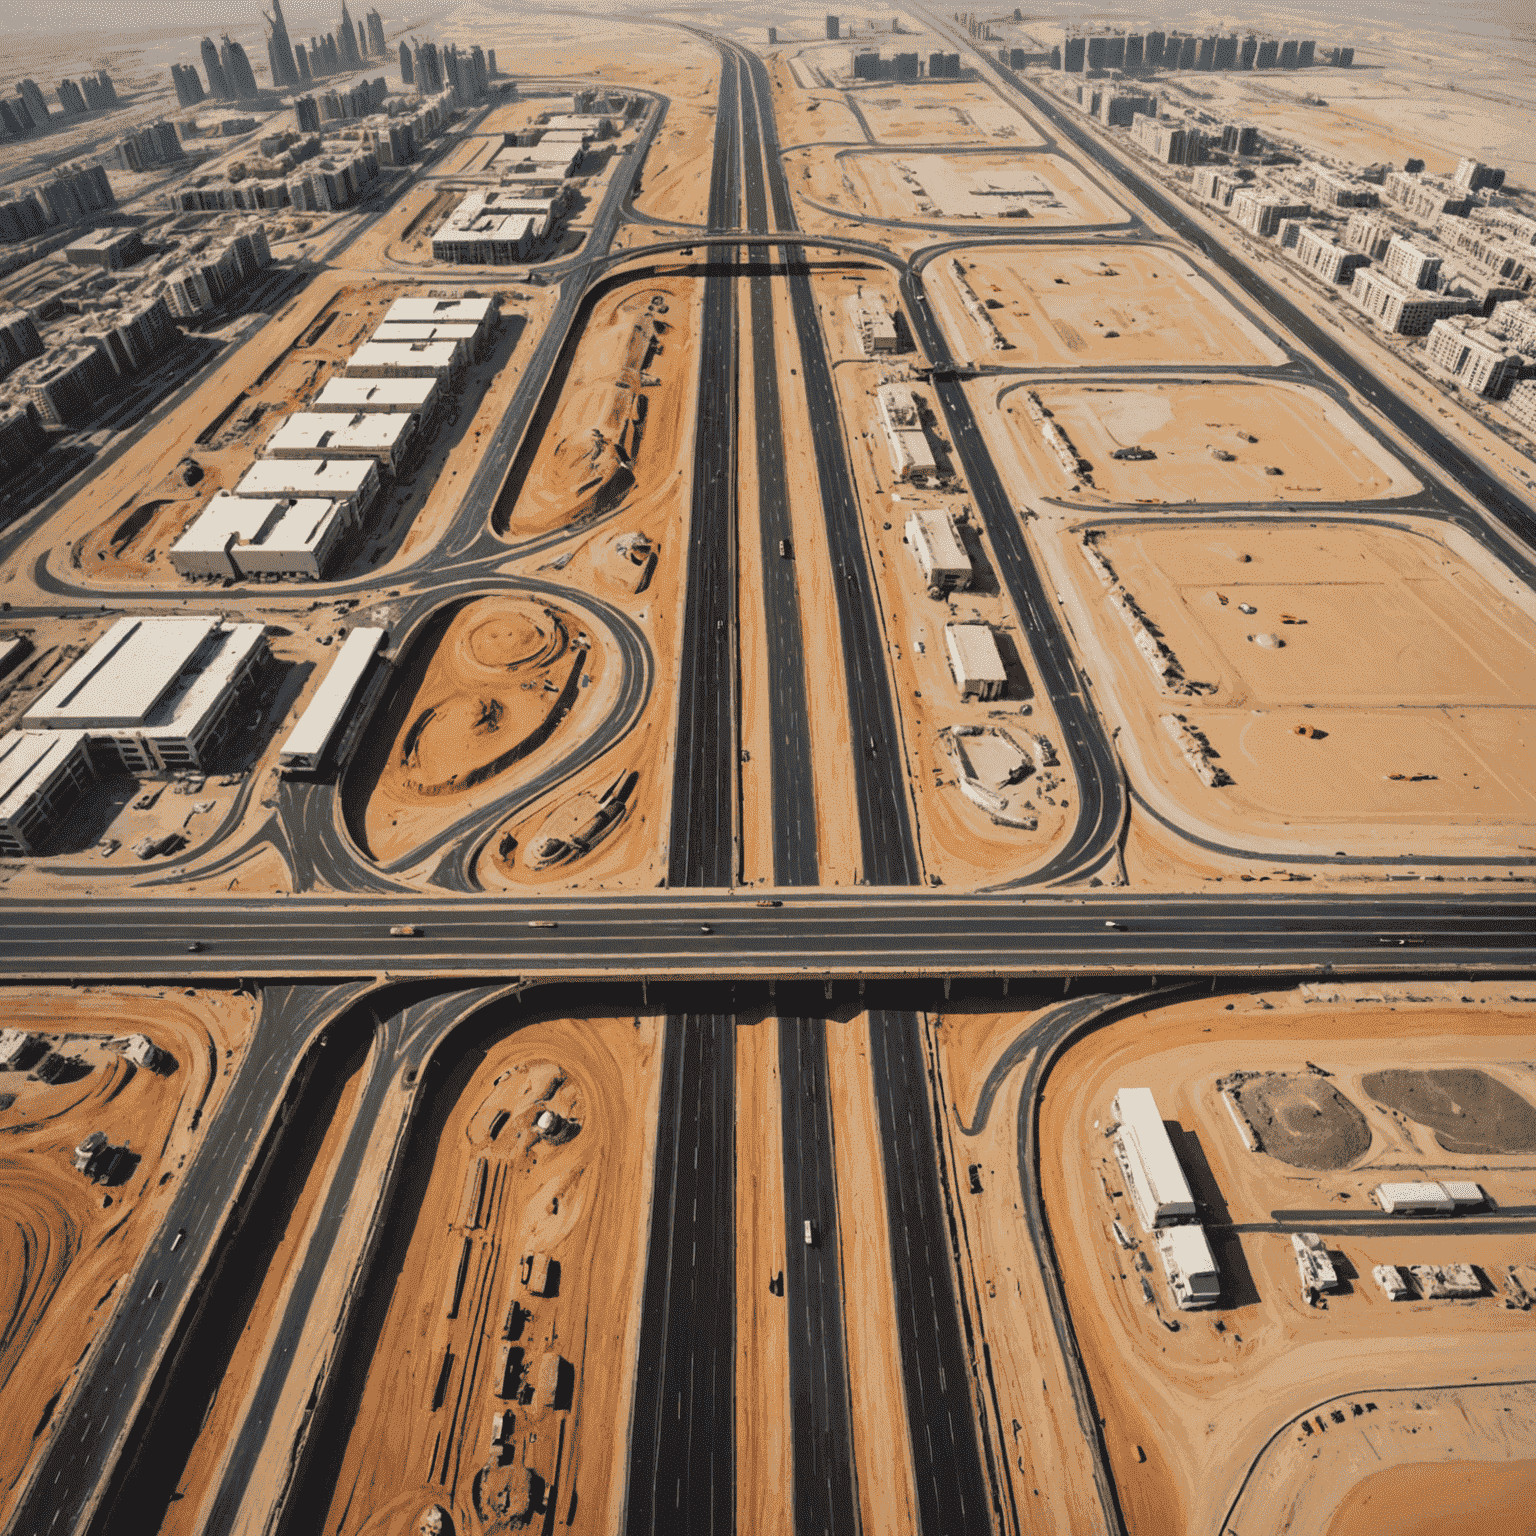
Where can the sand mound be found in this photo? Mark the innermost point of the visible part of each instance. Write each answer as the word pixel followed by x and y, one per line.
pixel 1468 1110
pixel 1305 1121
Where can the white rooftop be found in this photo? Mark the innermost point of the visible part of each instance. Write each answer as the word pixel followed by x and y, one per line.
pixel 1187 1247
pixel 331 479
pixel 351 395
pixel 276 524
pixel 422 359
pixel 409 311
pixel 310 736
pixel 28 759
pixel 426 330
pixel 974 648
pixel 313 434
pixel 125 674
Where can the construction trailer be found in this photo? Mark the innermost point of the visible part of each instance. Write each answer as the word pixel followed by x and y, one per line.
pixel 1426 1197
pixel 1190 1267
pixel 974 661
pixel 1153 1174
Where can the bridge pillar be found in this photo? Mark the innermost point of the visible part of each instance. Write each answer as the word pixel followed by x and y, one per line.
pixel 946 987
pixel 826 988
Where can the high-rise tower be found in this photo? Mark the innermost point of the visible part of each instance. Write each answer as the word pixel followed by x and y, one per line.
pixel 346 41
pixel 237 69
pixel 218 81
pixel 280 49
pixel 376 43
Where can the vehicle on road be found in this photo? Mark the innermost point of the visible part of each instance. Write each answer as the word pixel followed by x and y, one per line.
pixel 405 931
pixel 705 928
pixel 1109 922
pixel 786 551
pixel 181 1232
pixel 768 902
pixel 542 922
pixel 195 947
pixel 810 1234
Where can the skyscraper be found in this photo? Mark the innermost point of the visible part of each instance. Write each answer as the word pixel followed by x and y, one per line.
pixel 376 43
pixel 279 49
pixel 362 42
pixel 407 73
pixel 218 81
pixel 237 69
pixel 302 60
pixel 346 41
pixel 70 98
pixel 37 105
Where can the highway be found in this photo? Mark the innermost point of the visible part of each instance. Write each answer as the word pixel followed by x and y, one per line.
pixel 941 1422
pixel 682 1449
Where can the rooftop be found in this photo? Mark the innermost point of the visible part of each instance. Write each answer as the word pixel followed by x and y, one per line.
pixel 27 760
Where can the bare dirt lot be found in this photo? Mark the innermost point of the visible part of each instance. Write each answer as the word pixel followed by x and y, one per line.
pixel 623 419
pixel 1424 728
pixel 509 676
pixel 943 113
pixel 1187 1412
pixel 1058 304
pixel 1303 1120
pixel 1468 1111
pixel 1024 191
pixel 471 1327
pixel 68 1243
pixel 1212 443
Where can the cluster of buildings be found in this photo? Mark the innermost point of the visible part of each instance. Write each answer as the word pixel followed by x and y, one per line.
pixel 321 471
pixel 69 196
pixel 155 144
pixel 870 64
pixel 27 111
pixel 495 226
pixel 1093 52
pixel 430 70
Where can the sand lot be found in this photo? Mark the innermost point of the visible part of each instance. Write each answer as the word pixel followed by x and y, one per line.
pixel 1024 191
pixel 1438 687
pixel 67 1244
pixel 1200 1404
pixel 463 1336
pixel 510 683
pixel 947 113
pixel 1320 452
pixel 622 422
pixel 1054 305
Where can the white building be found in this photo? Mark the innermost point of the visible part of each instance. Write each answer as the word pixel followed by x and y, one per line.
pixel 1262 212
pixel 411 396
pixel 1520 404
pixel 1153 1173
pixel 1323 256
pixel 407 360
pixel 466 334
pixel 1427 1196
pixel 247 536
pixel 1475 352
pixel 1410 264
pixel 15 1046
pixel 1399 310
pixel 936 545
pixel 872 321
pixel 42 774
pixel 311 738
pixel 974 662
pixel 387 436
pixel 1190 1267
pixel 351 482
pixel 480 313
pixel 911 456
pixel 159 691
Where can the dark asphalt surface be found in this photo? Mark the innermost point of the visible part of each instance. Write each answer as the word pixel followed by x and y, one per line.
pixel 682 1449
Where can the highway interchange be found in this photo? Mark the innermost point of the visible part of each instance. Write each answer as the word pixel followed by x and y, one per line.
pixel 706 948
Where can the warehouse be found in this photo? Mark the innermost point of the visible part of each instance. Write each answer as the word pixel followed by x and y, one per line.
pixel 1427 1197
pixel 387 436
pixel 351 482
pixel 1190 1267
pixel 418 396
pixel 974 661
pixel 911 457
pixel 935 543
pixel 467 335
pixel 42 774
pixel 480 313
pixel 407 360
pixel 160 691
pixel 248 536
pixel 1153 1175
pixel 311 738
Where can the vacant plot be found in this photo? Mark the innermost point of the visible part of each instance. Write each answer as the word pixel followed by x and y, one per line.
pixel 1338 674
pixel 1424 1498
pixel 1071 305
pixel 1469 1111
pixel 943 114
pixel 619 426
pixel 1229 442
pixel 1304 1121
pixel 490 693
pixel 1022 190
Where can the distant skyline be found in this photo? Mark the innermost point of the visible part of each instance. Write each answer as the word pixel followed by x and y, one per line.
pixel 169 18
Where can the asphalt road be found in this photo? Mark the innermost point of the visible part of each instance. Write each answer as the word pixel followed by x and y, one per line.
pixel 682 1449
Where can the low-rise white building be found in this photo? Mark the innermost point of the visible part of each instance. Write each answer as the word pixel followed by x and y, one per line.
pixel 974 661
pixel 311 738
pixel 248 536
pixel 1477 353
pixel 480 313
pixel 407 360
pixel 936 545
pixel 1190 1267
pixel 354 483
pixel 42 774
pixel 911 456
pixel 409 396
pixel 387 436
pixel 158 691
pixel 1153 1174
pixel 1400 310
